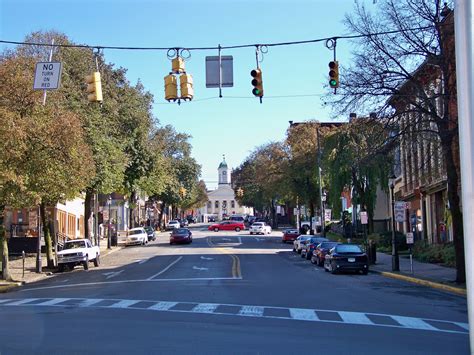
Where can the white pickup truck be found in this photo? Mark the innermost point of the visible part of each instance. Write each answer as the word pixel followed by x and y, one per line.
pixel 78 252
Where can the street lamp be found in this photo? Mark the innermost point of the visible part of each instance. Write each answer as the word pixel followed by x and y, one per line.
pixel 109 203
pixel 323 202
pixel 395 259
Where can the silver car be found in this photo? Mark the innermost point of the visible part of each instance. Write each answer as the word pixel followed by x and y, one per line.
pixel 297 243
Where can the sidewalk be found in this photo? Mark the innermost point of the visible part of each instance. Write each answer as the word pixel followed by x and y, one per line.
pixel 30 275
pixel 431 275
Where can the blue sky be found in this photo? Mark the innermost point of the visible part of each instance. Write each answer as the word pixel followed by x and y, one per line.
pixel 237 123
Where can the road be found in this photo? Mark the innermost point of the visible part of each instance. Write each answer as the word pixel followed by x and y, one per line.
pixel 227 292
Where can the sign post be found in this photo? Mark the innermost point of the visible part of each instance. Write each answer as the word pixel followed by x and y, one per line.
pixel 410 241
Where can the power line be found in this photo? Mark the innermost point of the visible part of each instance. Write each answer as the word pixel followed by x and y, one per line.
pixel 335 38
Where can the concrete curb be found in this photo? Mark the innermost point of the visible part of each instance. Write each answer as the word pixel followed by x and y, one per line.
pixel 6 287
pixel 436 285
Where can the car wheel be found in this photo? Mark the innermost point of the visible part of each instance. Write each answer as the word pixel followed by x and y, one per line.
pixel 216 229
pixel 294 249
pixel 237 229
pixel 251 233
pixel 299 251
pixel 333 268
pixel 86 263
pixel 325 268
pixel 308 256
pixel 61 267
pixel 97 260
pixel 303 254
pixel 365 271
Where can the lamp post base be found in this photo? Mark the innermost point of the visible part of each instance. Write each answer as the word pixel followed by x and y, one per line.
pixel 395 263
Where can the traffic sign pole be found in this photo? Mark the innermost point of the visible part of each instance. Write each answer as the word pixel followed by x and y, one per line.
pixel 49 60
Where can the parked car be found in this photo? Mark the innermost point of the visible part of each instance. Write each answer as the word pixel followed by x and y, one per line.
pixel 227 226
pixel 191 219
pixel 251 219
pixel 289 235
pixel 319 254
pixel 172 224
pixel 298 241
pixel 183 222
pixel 211 219
pixel 78 252
pixel 346 257
pixel 150 232
pixel 181 235
pixel 309 245
pixel 260 228
pixel 136 236
pixel 237 219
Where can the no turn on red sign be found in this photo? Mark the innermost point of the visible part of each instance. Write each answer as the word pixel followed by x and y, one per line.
pixel 47 75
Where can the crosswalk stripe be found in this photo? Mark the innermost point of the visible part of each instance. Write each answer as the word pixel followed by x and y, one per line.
pixel 303 314
pixel 23 301
pixel 254 311
pixel 89 302
pixel 163 306
pixel 52 302
pixel 414 323
pixel 205 308
pixel 355 318
pixel 462 325
pixel 123 304
pixel 7 300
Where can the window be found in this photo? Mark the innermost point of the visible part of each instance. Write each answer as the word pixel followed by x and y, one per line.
pixel 216 204
pixel 209 204
pixel 232 204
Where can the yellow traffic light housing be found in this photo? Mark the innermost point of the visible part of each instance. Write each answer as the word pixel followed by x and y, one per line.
pixel 171 88
pixel 186 86
pixel 334 74
pixel 177 65
pixel 182 192
pixel 94 87
pixel 240 192
pixel 257 82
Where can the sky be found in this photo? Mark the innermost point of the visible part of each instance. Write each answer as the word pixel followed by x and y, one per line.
pixel 294 77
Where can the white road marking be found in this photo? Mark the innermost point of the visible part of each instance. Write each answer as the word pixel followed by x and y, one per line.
pixel 413 323
pixel 205 308
pixel 355 318
pixel 111 274
pixel 303 314
pixel 204 258
pixel 253 311
pixel 53 302
pixel 200 268
pixel 258 239
pixel 20 302
pixel 90 302
pixel 123 304
pixel 294 314
pixel 240 240
pixel 165 269
pixel 163 306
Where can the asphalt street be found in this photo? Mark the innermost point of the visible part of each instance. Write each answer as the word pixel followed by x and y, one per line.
pixel 227 292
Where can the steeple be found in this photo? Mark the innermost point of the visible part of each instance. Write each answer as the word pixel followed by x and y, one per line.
pixel 223 171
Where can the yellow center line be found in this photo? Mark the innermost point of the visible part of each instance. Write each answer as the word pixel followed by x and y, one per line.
pixel 236 271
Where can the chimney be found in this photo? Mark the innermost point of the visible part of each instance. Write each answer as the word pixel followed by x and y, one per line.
pixel 352 116
pixel 373 115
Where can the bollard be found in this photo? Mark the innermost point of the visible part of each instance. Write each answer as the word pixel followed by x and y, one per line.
pixel 23 256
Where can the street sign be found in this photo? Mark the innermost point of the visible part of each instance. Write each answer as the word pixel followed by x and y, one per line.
pixel 327 215
pixel 364 218
pixel 47 75
pixel 400 208
pixel 410 239
pixel 212 71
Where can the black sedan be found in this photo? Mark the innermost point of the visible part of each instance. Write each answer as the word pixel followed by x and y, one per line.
pixel 346 257
pixel 180 236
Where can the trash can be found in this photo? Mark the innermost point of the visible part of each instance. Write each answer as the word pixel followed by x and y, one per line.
pixel 113 239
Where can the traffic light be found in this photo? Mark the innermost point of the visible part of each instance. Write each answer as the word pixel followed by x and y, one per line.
pixel 257 82
pixel 334 74
pixel 94 87
pixel 182 192
pixel 171 88
pixel 240 192
pixel 186 85
pixel 177 65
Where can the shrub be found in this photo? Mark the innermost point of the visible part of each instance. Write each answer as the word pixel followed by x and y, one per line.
pixel 435 253
pixel 385 240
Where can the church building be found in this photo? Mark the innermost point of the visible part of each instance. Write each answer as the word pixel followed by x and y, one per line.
pixel 222 202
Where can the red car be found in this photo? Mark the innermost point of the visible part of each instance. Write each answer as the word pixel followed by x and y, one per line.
pixel 227 226
pixel 289 235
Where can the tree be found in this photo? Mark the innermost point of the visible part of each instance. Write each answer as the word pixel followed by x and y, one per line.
pixel 385 66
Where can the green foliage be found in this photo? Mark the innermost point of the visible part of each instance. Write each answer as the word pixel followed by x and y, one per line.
pixel 435 253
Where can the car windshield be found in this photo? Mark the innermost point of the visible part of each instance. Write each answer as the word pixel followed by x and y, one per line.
pixel 258 224
pixel 348 248
pixel 327 245
pixel 135 231
pixel 75 245
pixel 180 231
